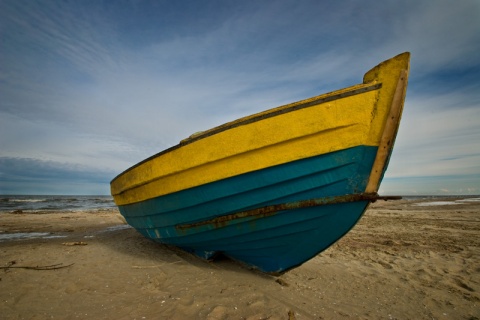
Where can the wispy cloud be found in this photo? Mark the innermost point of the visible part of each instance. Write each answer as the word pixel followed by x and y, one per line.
pixel 438 137
pixel 117 82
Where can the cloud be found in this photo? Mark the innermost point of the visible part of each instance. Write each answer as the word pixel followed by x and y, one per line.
pixel 437 137
pixel 444 38
pixel 33 176
pixel 432 185
pixel 107 85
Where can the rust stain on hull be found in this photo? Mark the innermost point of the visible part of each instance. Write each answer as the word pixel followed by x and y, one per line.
pixel 257 213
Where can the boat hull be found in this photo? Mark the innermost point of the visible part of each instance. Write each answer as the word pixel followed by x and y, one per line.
pixel 259 240
pixel 274 189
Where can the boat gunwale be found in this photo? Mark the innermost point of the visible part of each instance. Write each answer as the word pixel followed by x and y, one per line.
pixel 302 104
pixel 145 182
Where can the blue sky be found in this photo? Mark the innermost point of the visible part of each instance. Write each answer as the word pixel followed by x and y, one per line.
pixel 89 88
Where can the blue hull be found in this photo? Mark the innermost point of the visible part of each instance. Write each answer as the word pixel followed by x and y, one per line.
pixel 273 242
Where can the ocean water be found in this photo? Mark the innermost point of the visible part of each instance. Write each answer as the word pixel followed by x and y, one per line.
pixel 9 203
pixel 453 201
pixel 449 200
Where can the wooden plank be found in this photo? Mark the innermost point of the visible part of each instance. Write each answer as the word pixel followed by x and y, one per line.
pixel 389 134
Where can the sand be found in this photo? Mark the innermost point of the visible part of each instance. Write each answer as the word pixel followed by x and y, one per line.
pixel 402 261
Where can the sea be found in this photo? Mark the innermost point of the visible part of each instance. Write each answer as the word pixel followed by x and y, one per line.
pixel 427 201
pixel 10 203
pixel 63 204
pixel 29 203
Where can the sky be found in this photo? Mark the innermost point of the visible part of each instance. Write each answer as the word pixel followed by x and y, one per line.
pixel 89 88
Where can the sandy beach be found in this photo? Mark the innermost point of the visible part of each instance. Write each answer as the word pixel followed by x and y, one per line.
pixel 404 260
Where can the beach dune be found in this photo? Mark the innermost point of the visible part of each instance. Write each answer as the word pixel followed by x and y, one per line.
pixel 407 259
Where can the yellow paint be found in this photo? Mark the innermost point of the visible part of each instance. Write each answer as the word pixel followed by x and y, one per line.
pixel 389 134
pixel 388 73
pixel 323 128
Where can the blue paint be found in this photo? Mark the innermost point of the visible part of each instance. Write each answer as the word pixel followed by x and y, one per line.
pixel 275 243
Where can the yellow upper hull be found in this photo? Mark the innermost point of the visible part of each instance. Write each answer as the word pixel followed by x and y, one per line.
pixel 334 121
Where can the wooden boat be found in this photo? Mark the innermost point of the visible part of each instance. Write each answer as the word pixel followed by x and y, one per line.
pixel 273 189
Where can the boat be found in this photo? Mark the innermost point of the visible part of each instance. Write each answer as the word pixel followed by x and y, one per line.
pixel 273 189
